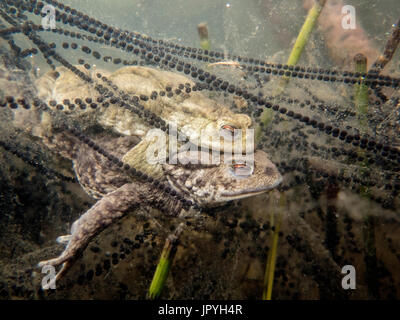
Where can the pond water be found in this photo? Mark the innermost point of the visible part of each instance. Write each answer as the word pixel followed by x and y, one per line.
pixel 332 133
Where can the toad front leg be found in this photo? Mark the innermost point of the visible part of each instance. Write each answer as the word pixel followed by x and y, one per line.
pixel 107 210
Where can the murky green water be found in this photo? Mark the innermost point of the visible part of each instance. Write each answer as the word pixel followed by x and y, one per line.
pixel 338 203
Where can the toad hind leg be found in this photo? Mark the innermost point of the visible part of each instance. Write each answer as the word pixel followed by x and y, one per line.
pixel 107 210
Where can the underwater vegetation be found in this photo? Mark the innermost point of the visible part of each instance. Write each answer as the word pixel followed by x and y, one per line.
pixel 329 122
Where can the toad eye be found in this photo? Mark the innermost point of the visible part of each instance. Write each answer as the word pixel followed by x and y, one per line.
pixel 228 132
pixel 241 169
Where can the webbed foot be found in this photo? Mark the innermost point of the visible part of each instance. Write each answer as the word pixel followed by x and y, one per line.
pixel 64 239
pixel 66 265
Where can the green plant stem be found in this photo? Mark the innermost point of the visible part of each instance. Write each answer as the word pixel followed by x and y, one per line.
pixel 370 258
pixel 361 102
pixel 271 260
pixel 294 57
pixel 305 32
pixel 361 99
pixel 302 38
pixel 203 34
pixel 164 265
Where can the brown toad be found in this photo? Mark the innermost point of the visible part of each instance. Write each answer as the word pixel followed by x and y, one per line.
pixel 198 118
pixel 118 193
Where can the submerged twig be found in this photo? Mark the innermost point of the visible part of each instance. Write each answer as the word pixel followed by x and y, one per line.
pixel 387 55
pixel 225 63
pixel 389 50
